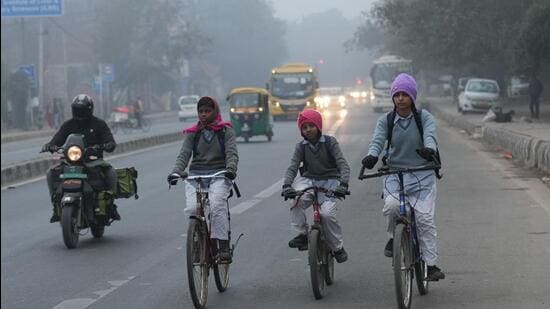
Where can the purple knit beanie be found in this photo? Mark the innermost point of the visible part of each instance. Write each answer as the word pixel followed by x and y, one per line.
pixel 405 83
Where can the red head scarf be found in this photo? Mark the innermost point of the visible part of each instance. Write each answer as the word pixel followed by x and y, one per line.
pixel 216 124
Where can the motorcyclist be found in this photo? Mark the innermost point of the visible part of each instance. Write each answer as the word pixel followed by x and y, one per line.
pixel 98 137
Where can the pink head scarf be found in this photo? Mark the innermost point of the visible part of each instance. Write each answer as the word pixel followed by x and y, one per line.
pixel 216 124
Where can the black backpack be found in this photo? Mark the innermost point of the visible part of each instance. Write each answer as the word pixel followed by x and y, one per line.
pixel 390 117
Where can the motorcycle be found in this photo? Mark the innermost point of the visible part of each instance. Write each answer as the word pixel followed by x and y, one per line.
pixel 79 203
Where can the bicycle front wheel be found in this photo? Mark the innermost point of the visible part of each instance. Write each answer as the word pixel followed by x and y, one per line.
pixel 197 263
pixel 316 267
pixel 402 270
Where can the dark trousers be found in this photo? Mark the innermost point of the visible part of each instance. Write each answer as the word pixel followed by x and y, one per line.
pixel 534 106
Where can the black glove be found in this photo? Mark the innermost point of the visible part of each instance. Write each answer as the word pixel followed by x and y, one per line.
pixel 288 192
pixel 369 161
pixel 47 147
pixel 109 147
pixel 230 174
pixel 426 153
pixel 97 148
pixel 173 178
pixel 341 191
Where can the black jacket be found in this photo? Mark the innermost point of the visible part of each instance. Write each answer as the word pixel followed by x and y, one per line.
pixel 95 131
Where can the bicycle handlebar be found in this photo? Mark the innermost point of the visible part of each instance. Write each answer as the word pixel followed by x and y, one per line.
pixel 328 192
pixel 220 174
pixel 389 170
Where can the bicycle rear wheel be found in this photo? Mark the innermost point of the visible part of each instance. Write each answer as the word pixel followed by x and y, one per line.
pixel 197 263
pixel 221 276
pixel 420 273
pixel 316 268
pixel 402 270
pixel 145 124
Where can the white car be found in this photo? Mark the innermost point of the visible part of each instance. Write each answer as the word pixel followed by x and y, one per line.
pixel 479 95
pixel 188 107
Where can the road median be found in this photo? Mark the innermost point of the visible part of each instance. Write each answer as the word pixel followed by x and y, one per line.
pixel 34 168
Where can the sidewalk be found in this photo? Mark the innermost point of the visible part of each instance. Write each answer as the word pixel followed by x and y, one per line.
pixel 11 135
pixel 526 142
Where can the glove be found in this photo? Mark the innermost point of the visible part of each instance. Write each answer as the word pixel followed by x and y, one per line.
pixel 230 174
pixel 288 192
pixel 173 178
pixel 109 147
pixel 97 147
pixel 426 153
pixel 369 161
pixel 46 148
pixel 341 191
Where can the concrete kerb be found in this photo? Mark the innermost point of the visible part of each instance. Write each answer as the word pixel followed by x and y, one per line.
pixel 529 151
pixel 35 168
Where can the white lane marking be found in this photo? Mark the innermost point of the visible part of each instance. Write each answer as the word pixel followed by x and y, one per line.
pixel 107 158
pixel 82 303
pixel 272 189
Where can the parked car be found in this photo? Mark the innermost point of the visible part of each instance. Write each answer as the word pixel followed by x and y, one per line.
pixel 479 95
pixel 188 107
pixel 460 85
pixel 517 86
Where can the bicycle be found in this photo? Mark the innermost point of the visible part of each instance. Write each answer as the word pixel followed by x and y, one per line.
pixel 201 250
pixel 407 259
pixel 320 257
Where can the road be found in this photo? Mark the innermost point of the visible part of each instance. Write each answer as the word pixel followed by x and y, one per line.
pixel 493 222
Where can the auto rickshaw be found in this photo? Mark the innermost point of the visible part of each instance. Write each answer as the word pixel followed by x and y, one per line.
pixel 249 112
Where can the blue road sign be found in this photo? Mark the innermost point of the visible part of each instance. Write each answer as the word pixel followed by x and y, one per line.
pixel 30 71
pixel 32 8
pixel 107 71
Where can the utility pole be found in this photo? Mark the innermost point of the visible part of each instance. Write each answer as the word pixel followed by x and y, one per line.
pixel 41 63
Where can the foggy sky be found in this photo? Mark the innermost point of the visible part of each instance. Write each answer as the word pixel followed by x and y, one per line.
pixel 296 9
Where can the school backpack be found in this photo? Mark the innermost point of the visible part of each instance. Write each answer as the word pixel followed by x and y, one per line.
pixel 390 117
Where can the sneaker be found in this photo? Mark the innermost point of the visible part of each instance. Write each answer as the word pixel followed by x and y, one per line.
pixel 341 255
pixel 388 250
pixel 299 242
pixel 224 254
pixel 114 213
pixel 54 218
pixel 435 274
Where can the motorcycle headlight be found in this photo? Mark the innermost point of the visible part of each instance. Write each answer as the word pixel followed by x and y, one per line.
pixel 74 153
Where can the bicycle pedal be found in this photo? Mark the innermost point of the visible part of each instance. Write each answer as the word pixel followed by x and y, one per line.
pixel 303 248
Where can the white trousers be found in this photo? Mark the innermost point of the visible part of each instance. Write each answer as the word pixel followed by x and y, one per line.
pixel 298 220
pixel 425 224
pixel 218 191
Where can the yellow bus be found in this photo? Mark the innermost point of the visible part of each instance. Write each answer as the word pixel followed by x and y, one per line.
pixel 292 87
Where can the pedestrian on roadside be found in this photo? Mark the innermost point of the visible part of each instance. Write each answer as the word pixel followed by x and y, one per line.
pixel 138 111
pixel 535 91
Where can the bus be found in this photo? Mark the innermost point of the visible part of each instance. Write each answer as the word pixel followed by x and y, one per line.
pixel 382 74
pixel 292 87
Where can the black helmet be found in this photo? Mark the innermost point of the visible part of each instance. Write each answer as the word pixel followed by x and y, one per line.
pixel 82 107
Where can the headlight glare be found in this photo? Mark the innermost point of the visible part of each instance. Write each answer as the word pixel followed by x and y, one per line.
pixel 74 153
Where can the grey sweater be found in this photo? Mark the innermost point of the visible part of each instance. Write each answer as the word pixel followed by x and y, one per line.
pixel 208 154
pixel 318 161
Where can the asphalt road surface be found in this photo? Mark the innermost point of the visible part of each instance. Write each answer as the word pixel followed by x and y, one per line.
pixel 493 223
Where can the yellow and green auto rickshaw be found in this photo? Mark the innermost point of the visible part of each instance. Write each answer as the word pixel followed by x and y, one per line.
pixel 249 112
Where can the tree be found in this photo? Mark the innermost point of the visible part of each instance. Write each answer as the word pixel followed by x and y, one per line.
pixel 533 49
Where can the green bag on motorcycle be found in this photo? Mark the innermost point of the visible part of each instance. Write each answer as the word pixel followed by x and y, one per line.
pixel 126 182
pixel 104 202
